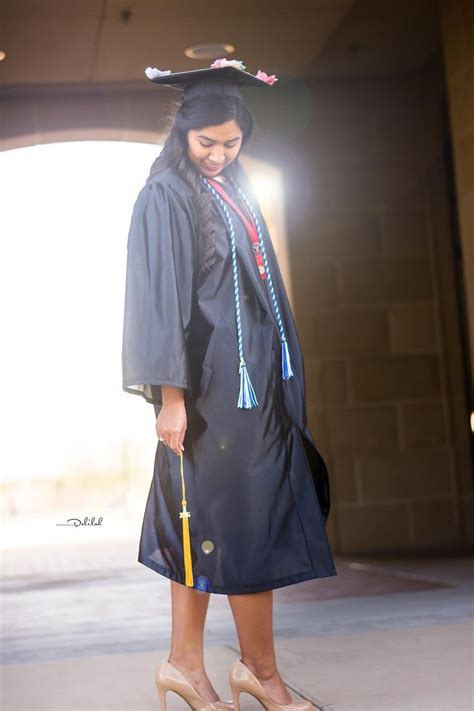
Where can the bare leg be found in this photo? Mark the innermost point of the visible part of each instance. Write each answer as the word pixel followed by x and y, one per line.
pixel 189 609
pixel 253 616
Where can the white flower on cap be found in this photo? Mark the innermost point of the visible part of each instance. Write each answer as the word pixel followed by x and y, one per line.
pixel 153 72
pixel 228 63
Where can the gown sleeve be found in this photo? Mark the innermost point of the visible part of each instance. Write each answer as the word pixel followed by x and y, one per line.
pixel 159 292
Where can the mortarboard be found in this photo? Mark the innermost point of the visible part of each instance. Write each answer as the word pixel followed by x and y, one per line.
pixel 224 77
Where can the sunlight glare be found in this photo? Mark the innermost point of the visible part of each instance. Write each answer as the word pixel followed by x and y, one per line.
pixel 64 224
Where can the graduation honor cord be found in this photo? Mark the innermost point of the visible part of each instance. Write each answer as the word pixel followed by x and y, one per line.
pixel 249 223
pixel 247 397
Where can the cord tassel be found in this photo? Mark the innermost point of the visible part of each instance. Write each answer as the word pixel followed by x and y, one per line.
pixel 184 515
pixel 286 368
pixel 247 397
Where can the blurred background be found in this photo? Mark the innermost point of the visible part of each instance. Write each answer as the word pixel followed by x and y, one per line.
pixel 363 160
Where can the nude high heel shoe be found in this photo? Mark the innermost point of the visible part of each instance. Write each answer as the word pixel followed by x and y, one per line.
pixel 170 678
pixel 241 678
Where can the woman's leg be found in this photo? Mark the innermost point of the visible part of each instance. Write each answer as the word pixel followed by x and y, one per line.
pixel 253 616
pixel 189 609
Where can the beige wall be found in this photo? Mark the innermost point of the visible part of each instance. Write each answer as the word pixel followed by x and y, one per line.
pixel 375 301
pixel 457 19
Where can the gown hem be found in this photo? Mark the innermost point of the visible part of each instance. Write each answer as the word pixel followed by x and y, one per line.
pixel 254 588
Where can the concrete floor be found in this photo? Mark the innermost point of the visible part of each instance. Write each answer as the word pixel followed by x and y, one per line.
pixel 85 626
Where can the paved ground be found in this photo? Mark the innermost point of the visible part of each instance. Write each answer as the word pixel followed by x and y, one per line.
pixel 84 626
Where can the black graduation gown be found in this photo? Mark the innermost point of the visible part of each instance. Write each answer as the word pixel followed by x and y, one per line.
pixel 256 485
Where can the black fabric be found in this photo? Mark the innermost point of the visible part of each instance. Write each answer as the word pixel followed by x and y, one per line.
pixel 256 485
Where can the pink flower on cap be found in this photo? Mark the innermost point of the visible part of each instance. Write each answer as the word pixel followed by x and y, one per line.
pixel 265 77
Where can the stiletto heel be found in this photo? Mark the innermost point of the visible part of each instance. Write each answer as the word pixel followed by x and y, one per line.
pixel 162 694
pixel 235 698
pixel 241 678
pixel 170 678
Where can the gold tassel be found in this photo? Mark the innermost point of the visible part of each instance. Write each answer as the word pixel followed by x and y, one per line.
pixel 184 515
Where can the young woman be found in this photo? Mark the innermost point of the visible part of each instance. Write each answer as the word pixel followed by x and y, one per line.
pixel 240 494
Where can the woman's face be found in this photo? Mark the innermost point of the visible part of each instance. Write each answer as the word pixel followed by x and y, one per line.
pixel 212 148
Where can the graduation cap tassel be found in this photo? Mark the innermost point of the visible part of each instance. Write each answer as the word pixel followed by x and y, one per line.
pixel 247 397
pixel 286 369
pixel 184 515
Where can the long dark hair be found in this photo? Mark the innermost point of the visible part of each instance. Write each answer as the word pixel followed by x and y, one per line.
pixel 192 115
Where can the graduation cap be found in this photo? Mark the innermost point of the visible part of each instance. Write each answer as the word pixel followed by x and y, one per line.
pixel 223 78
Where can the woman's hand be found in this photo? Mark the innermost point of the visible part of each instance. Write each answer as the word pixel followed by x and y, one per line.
pixel 171 423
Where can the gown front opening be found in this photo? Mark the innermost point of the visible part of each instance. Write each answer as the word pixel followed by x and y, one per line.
pixel 256 485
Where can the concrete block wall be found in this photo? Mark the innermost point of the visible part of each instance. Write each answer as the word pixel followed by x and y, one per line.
pixel 374 297
pixel 457 23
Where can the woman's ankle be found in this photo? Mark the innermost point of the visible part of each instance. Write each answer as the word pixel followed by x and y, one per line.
pixel 262 668
pixel 191 663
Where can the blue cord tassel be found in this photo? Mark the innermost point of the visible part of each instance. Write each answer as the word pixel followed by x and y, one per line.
pixel 287 371
pixel 247 398
pixel 286 368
